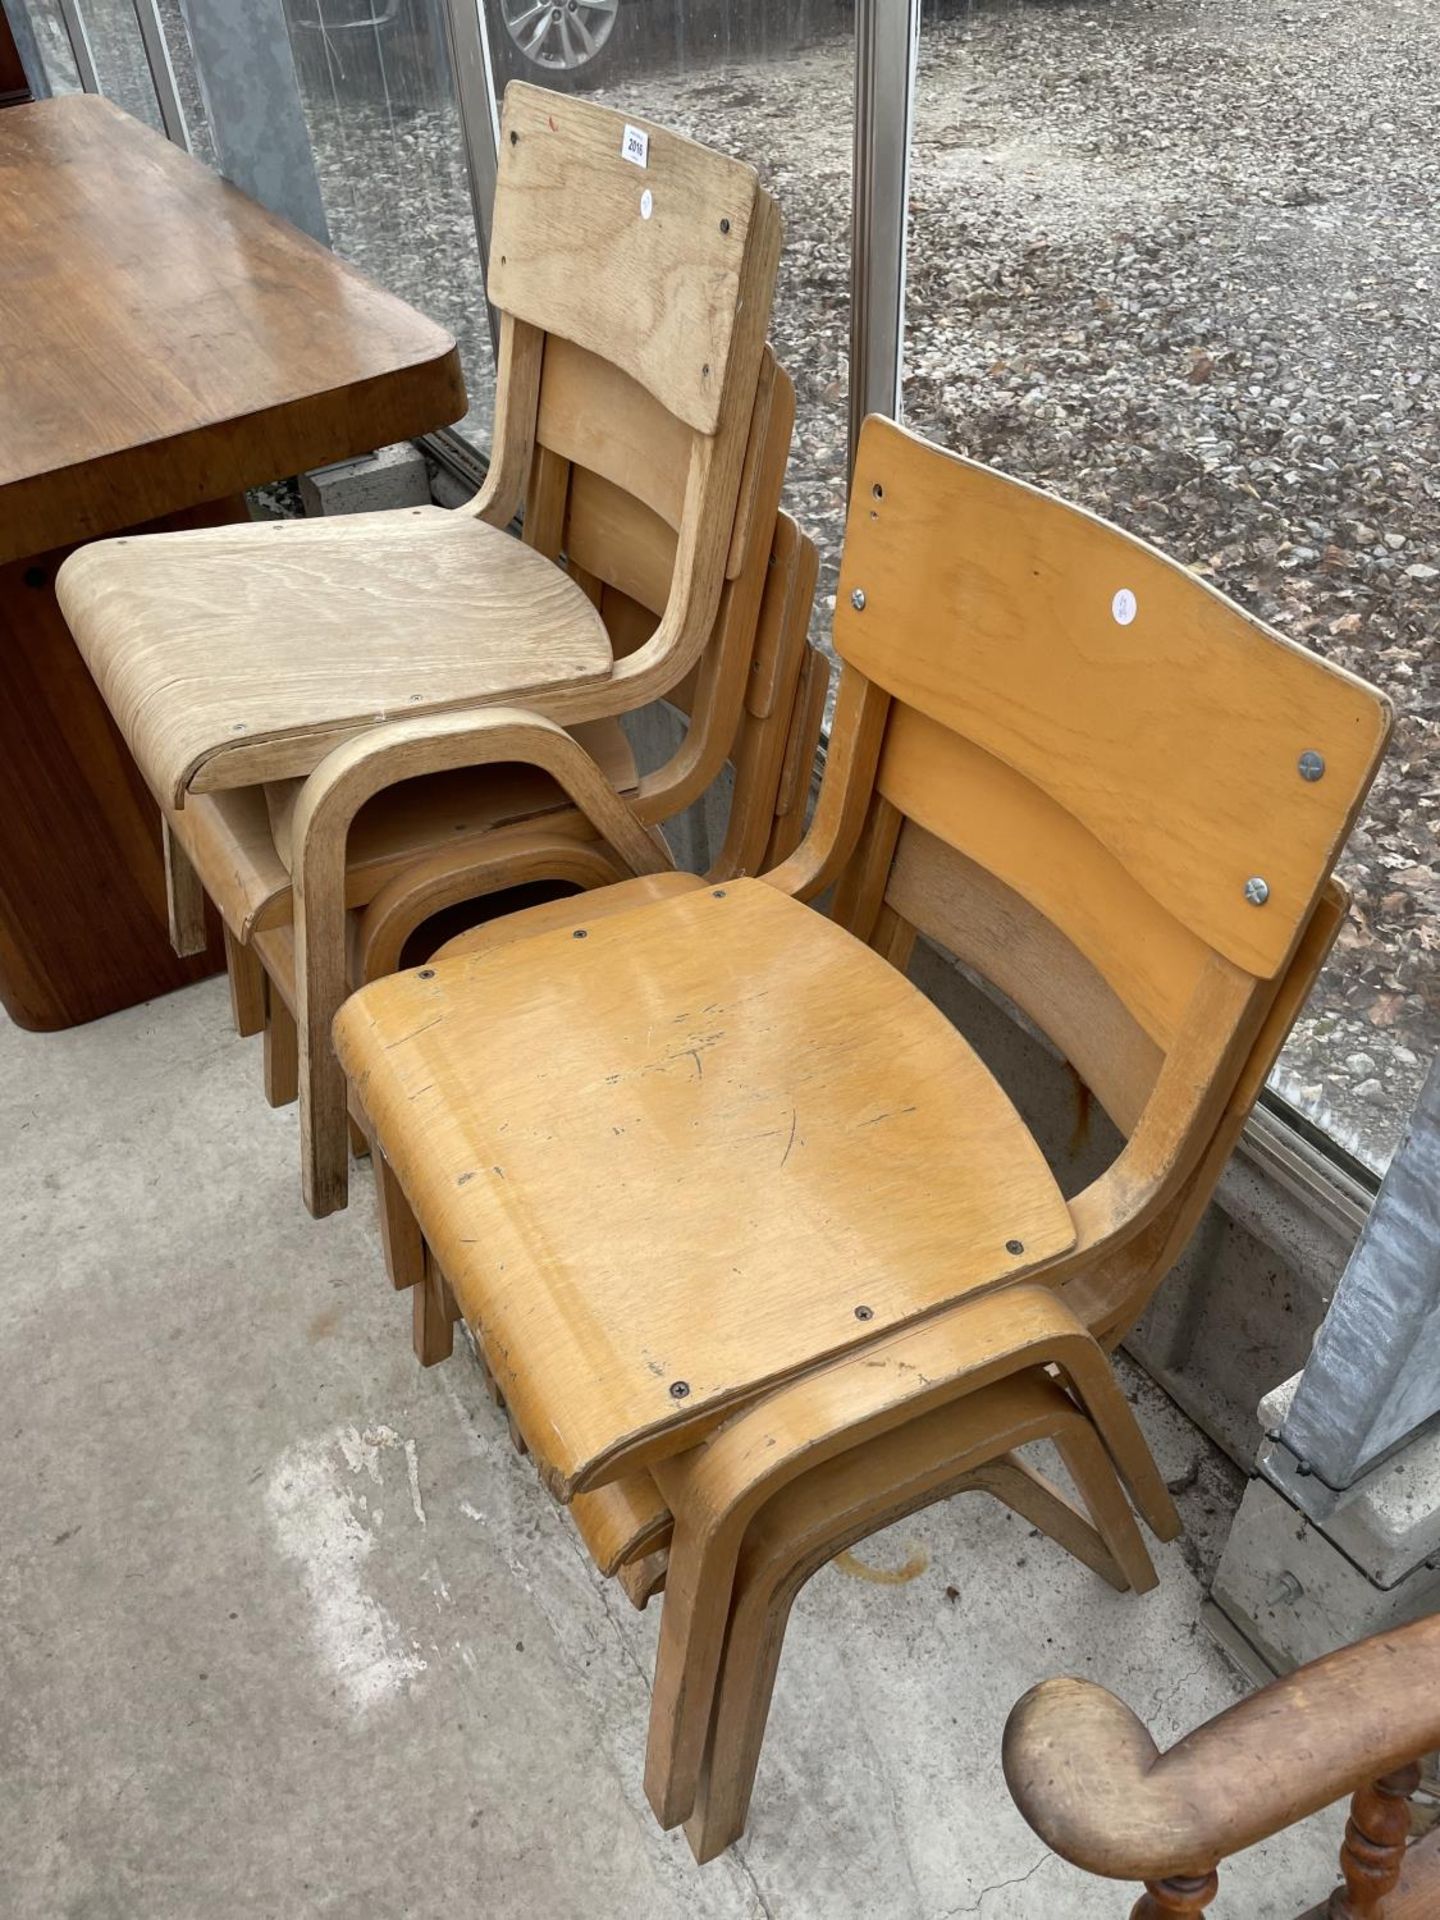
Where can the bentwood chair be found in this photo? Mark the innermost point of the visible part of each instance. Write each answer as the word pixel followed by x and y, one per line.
pixel 426 845
pixel 564 845
pixel 634 300
pixel 725 1199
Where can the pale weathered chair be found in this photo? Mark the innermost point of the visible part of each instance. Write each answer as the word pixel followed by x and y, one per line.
pixel 1092 1783
pixel 700 1161
pixel 428 844
pixel 634 300
pixel 565 845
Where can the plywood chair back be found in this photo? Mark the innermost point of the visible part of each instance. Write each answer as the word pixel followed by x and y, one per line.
pixel 1097 782
pixel 625 555
pixel 633 271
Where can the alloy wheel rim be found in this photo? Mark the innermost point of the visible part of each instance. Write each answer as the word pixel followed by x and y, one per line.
pixel 560 35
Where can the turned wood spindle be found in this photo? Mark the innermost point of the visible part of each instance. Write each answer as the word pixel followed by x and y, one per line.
pixel 1374 1850
pixel 1179 1895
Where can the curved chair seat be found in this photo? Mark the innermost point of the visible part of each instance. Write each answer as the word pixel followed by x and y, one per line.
pixel 233 655
pixel 669 1157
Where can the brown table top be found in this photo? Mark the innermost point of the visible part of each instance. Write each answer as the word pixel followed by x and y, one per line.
pixel 164 340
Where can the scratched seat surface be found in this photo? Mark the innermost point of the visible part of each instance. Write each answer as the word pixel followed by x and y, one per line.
pixel 234 655
pixel 670 1156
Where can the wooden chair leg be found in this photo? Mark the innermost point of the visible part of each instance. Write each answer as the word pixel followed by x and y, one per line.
pixel 1090 1373
pixel 282 1054
pixel 492 1385
pixel 435 1314
pixel 1089 1467
pixel 715 1490
pixel 184 898
pixel 820 1515
pixel 247 987
pixel 400 1236
pixel 1036 1499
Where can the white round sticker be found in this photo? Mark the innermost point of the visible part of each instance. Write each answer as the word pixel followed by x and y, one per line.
pixel 647 204
pixel 1123 606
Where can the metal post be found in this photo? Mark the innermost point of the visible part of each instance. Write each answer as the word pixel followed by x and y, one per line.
pixel 162 73
pixel 74 24
pixel 251 94
pixel 27 45
pixel 1373 1376
pixel 474 73
pixel 887 38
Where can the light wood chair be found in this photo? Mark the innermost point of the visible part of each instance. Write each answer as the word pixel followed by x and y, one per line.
pixel 1092 1783
pixel 473 867
pixel 428 846
pixel 634 302
pixel 680 1156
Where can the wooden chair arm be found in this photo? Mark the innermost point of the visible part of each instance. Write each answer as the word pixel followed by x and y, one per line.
pixel 354 773
pixel 1092 1783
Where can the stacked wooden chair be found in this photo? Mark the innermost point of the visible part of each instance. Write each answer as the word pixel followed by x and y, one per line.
pixel 766 657
pixel 643 425
pixel 757 1252
pixel 1092 1783
pixel 427 846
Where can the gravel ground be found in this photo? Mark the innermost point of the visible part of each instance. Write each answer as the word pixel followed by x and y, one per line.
pixel 1174 258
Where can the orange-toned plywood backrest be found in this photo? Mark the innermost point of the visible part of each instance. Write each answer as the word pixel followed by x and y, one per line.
pixel 1089 721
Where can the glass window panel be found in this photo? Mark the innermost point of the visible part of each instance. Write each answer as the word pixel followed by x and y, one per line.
pixel 772 84
pixel 1177 260
pixel 379 100
pixel 120 64
pixel 54 46
pixel 187 84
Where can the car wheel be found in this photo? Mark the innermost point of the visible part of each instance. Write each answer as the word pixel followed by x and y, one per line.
pixel 560 37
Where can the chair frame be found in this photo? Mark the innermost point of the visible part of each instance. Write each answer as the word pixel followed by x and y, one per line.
pixel 756 652
pixel 644 371
pixel 1175 1041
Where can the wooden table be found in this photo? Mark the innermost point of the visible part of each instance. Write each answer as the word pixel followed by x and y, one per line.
pixel 165 343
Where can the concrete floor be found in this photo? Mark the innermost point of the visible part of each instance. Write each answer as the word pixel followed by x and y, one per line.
pixel 287 1628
